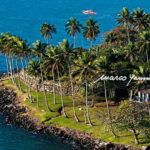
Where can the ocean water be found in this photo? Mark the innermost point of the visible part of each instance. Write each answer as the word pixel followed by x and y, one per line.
pixel 12 138
pixel 25 17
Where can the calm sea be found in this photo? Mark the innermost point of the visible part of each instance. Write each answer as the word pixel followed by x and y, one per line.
pixel 25 17
pixel 12 138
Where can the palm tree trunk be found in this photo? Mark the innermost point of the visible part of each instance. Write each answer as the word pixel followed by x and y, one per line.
pixel 148 107
pixel 37 95
pixel 18 75
pixel 11 70
pixel 61 93
pixel 88 117
pixel 147 55
pixel 108 111
pixel 128 35
pixel 54 92
pixel 47 42
pixel 30 89
pixel 22 62
pixel 74 41
pixel 29 83
pixel 7 66
pixel 12 60
pixel 147 100
pixel 85 114
pixel 92 105
pixel 90 43
pixel 72 88
pixel 46 101
pixel 135 136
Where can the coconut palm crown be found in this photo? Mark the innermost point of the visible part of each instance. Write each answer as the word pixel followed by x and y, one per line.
pixel 73 27
pixel 125 19
pixel 91 30
pixel 47 30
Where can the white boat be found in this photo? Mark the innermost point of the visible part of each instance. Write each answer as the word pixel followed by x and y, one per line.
pixel 89 12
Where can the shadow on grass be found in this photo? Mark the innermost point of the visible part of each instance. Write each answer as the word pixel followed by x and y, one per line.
pixel 144 141
pixel 129 135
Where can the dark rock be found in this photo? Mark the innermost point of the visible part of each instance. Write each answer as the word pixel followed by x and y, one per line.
pixel 145 148
pixel 3 75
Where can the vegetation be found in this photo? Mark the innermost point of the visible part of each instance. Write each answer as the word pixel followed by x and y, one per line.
pixel 91 30
pixel 73 27
pixel 124 52
pixel 133 116
pixel 47 30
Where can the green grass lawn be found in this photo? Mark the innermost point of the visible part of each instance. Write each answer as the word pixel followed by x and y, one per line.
pixel 56 119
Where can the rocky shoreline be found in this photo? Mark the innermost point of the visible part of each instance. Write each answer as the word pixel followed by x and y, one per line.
pixel 3 75
pixel 18 116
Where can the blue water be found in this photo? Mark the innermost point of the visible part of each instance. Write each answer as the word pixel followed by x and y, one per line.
pixel 25 17
pixel 12 138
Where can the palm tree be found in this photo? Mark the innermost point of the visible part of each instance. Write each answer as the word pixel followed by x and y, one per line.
pixel 39 52
pixel 139 18
pixel 16 49
pixel 68 53
pixel 103 68
pixel 47 30
pixel 34 70
pixel 145 43
pixel 4 52
pixel 84 71
pixel 91 30
pixel 28 54
pixel 108 110
pixel 11 44
pixel 73 27
pixel 131 52
pixel 111 38
pixel 18 75
pixel 125 18
pixel 58 65
pixel 50 67
pixel 22 51
pixel 6 46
